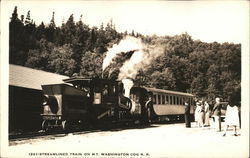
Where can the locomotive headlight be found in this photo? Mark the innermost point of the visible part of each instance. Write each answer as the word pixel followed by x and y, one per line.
pixel 50 104
pixel 45 99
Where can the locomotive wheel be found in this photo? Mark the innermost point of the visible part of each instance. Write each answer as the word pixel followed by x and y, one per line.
pixel 45 125
pixel 65 126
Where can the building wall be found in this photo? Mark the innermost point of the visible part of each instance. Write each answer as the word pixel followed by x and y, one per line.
pixel 25 107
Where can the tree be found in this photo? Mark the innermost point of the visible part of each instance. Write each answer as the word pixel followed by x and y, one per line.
pixel 16 28
pixel 61 60
pixel 50 30
pixel 40 31
pixel 91 65
pixel 27 20
pixel 162 80
pixel 39 58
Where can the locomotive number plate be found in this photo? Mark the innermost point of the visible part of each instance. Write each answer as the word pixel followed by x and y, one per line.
pixel 51 117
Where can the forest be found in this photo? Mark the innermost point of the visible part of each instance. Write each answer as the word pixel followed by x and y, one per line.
pixel 207 70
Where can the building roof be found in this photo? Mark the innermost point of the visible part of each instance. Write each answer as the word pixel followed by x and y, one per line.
pixel 21 76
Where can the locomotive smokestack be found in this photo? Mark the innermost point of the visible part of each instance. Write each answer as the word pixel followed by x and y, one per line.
pixel 128 84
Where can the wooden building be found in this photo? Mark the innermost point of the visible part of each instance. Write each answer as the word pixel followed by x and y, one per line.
pixel 25 96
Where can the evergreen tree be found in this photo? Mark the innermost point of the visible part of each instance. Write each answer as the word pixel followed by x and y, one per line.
pixel 50 30
pixel 27 20
pixel 16 28
pixel 41 31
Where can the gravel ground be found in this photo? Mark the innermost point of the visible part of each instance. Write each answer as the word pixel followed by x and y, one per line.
pixel 158 140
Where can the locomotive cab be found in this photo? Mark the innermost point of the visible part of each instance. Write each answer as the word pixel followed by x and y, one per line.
pixel 101 92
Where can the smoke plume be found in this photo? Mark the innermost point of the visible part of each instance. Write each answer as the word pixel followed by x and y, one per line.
pixel 127 44
pixel 142 56
pixel 139 60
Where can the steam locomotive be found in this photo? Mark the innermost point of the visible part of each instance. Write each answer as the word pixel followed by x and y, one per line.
pixel 98 101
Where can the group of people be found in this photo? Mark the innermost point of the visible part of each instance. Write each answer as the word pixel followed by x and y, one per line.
pixel 203 114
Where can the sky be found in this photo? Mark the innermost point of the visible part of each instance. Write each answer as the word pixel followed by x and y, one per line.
pixel 208 21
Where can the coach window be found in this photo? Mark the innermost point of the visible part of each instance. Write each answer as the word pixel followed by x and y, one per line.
pixel 154 99
pixel 167 101
pixel 163 99
pixel 159 99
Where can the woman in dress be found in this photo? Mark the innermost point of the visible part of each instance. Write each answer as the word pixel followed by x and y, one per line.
pixel 199 112
pixel 207 114
pixel 202 115
pixel 232 118
pixel 196 113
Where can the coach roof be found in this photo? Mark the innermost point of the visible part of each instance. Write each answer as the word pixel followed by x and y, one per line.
pixel 167 91
pixel 21 76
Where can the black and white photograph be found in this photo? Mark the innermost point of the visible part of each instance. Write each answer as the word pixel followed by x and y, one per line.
pixel 114 79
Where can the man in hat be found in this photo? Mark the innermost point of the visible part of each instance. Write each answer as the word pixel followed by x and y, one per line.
pixel 187 114
pixel 217 114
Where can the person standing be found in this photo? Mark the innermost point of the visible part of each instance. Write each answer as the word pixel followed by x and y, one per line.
pixel 202 114
pixel 217 114
pixel 196 113
pixel 207 114
pixel 232 118
pixel 187 115
pixel 148 106
pixel 199 114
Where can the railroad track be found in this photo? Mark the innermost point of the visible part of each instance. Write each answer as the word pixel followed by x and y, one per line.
pixel 29 137
pixel 35 136
pixel 26 137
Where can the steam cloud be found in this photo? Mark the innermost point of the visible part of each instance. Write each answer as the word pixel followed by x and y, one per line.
pixel 139 60
pixel 129 43
pixel 128 84
pixel 142 57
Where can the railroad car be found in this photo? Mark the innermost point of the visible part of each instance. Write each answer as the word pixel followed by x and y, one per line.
pixel 165 105
pixel 101 101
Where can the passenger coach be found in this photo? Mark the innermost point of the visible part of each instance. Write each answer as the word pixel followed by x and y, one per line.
pixel 169 105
